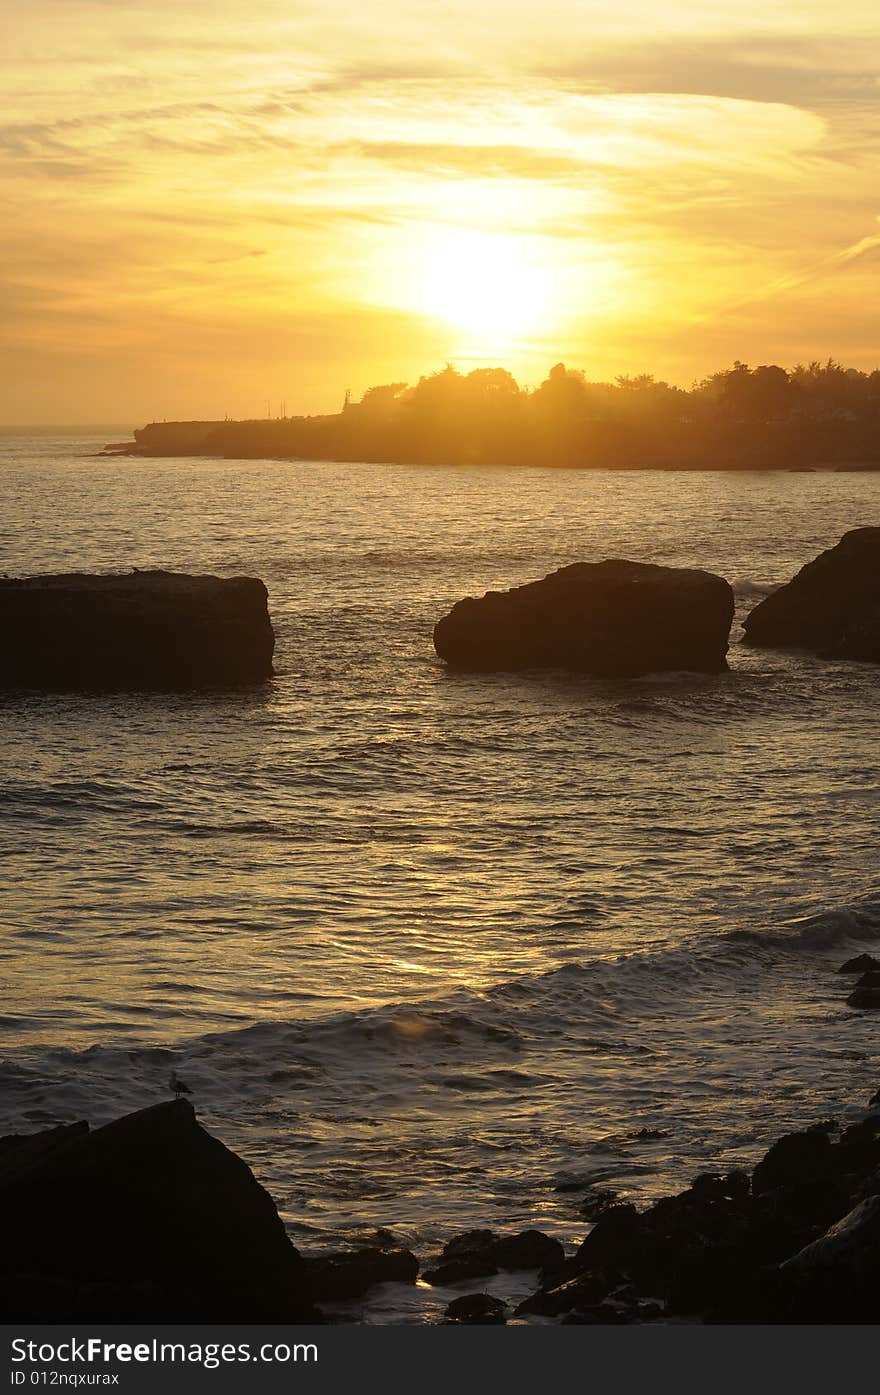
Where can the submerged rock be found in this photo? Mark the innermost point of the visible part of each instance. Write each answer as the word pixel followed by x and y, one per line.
pixel 149 1218
pixel 614 619
pixel 832 606
pixel 147 629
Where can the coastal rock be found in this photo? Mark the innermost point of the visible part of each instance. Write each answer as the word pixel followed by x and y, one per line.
pixel 149 1218
pixel 144 630
pixel 831 607
pixel 806 1156
pixel 349 1274
pixel 476 1310
pixel 691 1253
pixel 862 963
pixel 837 1277
pixel 480 1253
pixel 530 1249
pixel 614 1239
pixel 864 998
pixel 467 1256
pixel 597 1201
pixel 577 1294
pixel 613 619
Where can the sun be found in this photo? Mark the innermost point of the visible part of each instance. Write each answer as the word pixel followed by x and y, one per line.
pixel 484 283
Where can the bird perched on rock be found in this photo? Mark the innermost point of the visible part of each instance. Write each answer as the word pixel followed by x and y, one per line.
pixel 179 1086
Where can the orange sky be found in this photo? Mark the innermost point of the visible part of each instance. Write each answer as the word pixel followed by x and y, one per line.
pixel 212 206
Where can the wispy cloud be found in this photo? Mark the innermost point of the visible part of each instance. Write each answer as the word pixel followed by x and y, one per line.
pixel 302 164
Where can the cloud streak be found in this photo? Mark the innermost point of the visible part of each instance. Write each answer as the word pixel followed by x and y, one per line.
pixel 305 164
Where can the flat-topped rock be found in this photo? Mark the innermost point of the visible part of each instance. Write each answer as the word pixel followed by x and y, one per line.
pixel 831 607
pixel 613 619
pixel 144 629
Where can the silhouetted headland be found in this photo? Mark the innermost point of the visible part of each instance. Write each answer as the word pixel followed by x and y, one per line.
pixel 616 619
pixel 816 415
pixel 146 629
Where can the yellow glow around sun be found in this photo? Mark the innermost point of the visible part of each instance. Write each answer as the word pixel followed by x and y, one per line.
pixel 483 283
pixel 490 295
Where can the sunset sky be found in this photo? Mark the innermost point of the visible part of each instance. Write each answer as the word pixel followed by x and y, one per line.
pixel 212 206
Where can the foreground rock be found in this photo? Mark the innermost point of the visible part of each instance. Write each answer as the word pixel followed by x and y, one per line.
pixel 865 997
pixel 799 1241
pixel 860 964
pixel 336 1278
pixel 148 1219
pixel 837 1277
pixel 143 630
pixel 152 1220
pixel 477 1254
pixel 476 1310
pixel 832 606
pixel 613 619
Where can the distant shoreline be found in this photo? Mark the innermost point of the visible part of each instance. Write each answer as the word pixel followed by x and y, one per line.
pixel 817 416
pixel 176 449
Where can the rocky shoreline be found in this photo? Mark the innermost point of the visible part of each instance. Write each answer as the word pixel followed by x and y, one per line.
pixel 151 1219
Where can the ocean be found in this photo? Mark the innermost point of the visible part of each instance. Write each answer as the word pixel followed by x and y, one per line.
pixel 436 951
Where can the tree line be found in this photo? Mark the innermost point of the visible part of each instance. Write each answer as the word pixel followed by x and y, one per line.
pixel 765 417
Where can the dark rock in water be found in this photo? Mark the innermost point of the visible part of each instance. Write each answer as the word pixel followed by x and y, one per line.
pixel 795 1158
pixel 837 1277
pixel 695 1252
pixel 146 1219
pixel 614 1238
pixel 871 979
pixel 467 1256
pixel 571 1295
pixel 467 1242
pixel 614 1312
pixel 603 1315
pixel 832 606
pixel 480 1253
pixel 864 998
pixel 350 1273
pixel 714 1186
pixel 530 1249
pixel 862 963
pixel 146 630
pixel 734 1249
pixel 476 1310
pixel 615 619
pixel 455 1271
pixel 597 1202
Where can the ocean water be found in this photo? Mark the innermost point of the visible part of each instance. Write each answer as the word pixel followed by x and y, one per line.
pixel 435 950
